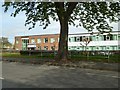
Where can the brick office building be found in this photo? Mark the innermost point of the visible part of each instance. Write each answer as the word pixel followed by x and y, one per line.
pixel 98 42
pixel 37 42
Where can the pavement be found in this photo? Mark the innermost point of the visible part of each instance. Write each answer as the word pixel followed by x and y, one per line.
pixel 80 64
pixel 21 75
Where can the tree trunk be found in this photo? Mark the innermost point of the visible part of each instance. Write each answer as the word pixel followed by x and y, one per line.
pixel 63 42
pixel 63 16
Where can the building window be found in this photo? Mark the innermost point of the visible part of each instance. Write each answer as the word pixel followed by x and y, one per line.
pixel 24 44
pixel 118 47
pixel 58 39
pixel 107 47
pixel 93 38
pixel 118 37
pixel 39 47
pixel 52 40
pixel 103 47
pixel 45 40
pixel 114 47
pixel 45 47
pixel 81 38
pixel 17 41
pixel 78 47
pixel 108 37
pixel 69 39
pixel 32 40
pixel 77 39
pixel 90 38
pixel 111 37
pixel 52 47
pixel 104 37
pixel 38 40
pixel 97 38
pixel 115 37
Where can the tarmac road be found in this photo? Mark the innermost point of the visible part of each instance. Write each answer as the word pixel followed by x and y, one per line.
pixel 18 75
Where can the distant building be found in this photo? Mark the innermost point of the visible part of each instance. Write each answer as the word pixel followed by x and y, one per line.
pixel 75 42
pixel 37 42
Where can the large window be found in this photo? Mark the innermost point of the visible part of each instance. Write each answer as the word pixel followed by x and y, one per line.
pixel 52 40
pixel 45 40
pixel 24 44
pixel 38 40
pixel 32 40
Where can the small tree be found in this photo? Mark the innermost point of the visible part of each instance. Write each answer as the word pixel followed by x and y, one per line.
pixel 85 43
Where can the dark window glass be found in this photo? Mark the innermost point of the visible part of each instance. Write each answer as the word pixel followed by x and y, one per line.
pixel 80 38
pixel 111 37
pixel 69 40
pixel 104 37
pixel 75 39
pixel 45 40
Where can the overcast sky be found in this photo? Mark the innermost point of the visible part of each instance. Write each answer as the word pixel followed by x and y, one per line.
pixel 11 27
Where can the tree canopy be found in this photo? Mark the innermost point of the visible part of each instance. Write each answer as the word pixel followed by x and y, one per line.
pixel 90 15
pixel 4 42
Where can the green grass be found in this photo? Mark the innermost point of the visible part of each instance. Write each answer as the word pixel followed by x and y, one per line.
pixel 97 58
pixel 17 55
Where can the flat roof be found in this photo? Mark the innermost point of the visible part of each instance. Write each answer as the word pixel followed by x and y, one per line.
pixel 59 34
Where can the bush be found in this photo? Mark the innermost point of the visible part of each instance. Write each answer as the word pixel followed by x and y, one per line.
pixel 37 52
